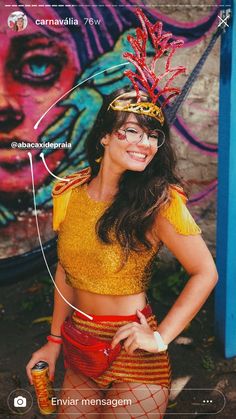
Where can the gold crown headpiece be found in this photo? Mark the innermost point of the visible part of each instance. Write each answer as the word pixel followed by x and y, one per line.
pixel 123 103
pixel 145 80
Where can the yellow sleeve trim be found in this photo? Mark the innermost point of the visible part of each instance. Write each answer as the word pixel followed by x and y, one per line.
pixel 61 194
pixel 178 214
pixel 60 204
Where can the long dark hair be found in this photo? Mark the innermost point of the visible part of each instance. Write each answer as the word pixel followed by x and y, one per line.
pixel 140 194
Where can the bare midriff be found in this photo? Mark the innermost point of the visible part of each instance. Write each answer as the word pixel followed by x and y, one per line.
pixel 113 305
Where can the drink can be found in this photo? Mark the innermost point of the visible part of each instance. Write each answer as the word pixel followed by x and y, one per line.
pixel 43 388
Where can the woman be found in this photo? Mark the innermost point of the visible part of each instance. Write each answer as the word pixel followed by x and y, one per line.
pixel 19 24
pixel 109 232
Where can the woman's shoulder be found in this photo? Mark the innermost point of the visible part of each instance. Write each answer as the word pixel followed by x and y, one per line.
pixel 70 182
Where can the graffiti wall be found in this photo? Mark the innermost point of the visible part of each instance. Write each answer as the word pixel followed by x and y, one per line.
pixel 57 62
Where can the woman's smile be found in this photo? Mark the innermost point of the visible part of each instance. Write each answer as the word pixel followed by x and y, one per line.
pixel 138 156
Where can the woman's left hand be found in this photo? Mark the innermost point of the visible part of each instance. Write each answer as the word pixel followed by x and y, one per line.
pixel 136 335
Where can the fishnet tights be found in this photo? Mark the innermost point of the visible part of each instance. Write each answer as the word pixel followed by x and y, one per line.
pixel 138 400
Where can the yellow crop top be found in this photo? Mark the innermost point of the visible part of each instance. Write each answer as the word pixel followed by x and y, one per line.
pixel 89 263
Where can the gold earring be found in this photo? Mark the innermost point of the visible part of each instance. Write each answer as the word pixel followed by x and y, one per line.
pixel 98 160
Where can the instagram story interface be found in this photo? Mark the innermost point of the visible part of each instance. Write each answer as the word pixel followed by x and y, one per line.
pixel 112 119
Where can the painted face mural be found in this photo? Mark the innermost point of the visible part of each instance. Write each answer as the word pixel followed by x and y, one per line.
pixel 36 69
pixel 41 63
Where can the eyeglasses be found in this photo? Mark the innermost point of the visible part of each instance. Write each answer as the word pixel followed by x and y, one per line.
pixel 135 136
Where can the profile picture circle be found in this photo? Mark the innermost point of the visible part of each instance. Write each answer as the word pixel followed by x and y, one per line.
pixel 17 21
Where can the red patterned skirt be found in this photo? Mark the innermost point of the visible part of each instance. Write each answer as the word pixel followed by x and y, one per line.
pixel 139 367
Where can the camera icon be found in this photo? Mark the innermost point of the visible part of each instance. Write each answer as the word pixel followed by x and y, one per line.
pixel 19 401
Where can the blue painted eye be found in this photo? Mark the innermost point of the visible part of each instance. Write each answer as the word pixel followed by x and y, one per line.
pixel 39 69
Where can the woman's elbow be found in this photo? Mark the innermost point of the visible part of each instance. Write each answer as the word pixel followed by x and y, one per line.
pixel 208 273
pixel 212 275
pixel 215 276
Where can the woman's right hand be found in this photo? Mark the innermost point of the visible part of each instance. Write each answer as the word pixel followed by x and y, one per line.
pixel 48 353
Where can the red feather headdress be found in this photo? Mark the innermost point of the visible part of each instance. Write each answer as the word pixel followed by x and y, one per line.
pixel 145 81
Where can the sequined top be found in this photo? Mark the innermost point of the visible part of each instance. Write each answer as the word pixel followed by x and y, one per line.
pixel 94 266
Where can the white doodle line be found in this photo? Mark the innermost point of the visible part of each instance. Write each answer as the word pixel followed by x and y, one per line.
pixel 77 85
pixel 41 246
pixel 49 171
